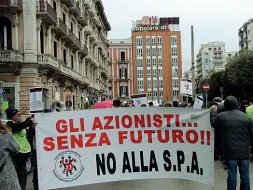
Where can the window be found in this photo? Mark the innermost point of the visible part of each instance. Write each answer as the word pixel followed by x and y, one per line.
pixel 54 6
pixel 65 56
pixel 148 63
pixel 154 83
pixel 140 84
pixel 159 51
pixel 139 63
pixel 174 72
pixel 55 49
pixel 147 40
pixel 79 35
pixel 210 49
pixel 148 52
pixel 64 18
pixel 161 93
pixel 160 84
pixel 153 51
pixel 139 52
pixel 149 93
pixel 153 41
pixel 155 93
pixel 160 73
pixel 122 55
pixel 175 94
pixel 160 64
pixel 154 72
pixel 154 62
pixel 148 73
pixel 173 40
pixel 140 74
pixel 149 84
pixel 174 51
pixel 159 40
pixel 175 83
pixel 214 49
pixel 138 41
pixel 219 48
pixel 174 62
pixel 71 27
pixel 72 62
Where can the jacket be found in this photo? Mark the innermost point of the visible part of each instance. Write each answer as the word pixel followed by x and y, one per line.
pixel 8 175
pixel 236 130
pixel 20 134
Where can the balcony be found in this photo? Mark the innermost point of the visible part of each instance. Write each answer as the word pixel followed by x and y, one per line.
pixel 75 10
pixel 83 19
pixel 74 41
pixel 218 61
pixel 84 50
pixel 87 30
pixel 68 3
pixel 48 60
pixel 11 5
pixel 11 56
pixel 122 61
pixel 60 29
pixel 46 12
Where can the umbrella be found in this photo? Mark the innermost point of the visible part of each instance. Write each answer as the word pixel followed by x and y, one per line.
pixel 103 104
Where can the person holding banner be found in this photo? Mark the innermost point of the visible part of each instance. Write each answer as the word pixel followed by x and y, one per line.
pixel 19 132
pixel 236 133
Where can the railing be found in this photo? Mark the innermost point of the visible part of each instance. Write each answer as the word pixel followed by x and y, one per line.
pixel 62 26
pixel 11 56
pixel 13 3
pixel 74 39
pixel 44 7
pixel 45 59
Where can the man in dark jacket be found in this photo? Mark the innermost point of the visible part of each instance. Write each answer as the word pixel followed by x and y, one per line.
pixel 19 132
pixel 236 132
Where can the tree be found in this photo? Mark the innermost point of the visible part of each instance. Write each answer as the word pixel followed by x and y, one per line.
pixel 239 75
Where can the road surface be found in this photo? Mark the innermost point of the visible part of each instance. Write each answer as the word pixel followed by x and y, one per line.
pixel 220 176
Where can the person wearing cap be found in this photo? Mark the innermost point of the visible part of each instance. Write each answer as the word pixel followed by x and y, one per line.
pixel 19 132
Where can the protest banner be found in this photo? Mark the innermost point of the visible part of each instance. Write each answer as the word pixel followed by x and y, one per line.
pixel 86 147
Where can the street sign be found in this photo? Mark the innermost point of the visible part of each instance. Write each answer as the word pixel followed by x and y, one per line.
pixel 67 93
pixel 206 87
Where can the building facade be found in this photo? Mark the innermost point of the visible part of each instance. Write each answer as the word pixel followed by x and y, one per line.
pixel 157 64
pixel 211 57
pixel 54 44
pixel 245 34
pixel 121 69
pixel 230 55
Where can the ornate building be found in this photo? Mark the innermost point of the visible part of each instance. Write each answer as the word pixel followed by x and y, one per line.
pixel 57 45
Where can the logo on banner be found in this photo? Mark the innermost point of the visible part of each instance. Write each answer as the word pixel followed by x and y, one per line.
pixel 68 166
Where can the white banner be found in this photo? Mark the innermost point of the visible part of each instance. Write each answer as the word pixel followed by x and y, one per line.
pixel 84 147
pixel 36 102
pixel 185 87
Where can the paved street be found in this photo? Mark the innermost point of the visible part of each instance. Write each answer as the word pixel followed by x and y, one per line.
pixel 160 184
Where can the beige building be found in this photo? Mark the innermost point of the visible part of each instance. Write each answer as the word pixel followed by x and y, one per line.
pixel 54 44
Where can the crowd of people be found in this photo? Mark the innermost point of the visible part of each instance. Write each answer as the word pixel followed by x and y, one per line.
pixel 233 126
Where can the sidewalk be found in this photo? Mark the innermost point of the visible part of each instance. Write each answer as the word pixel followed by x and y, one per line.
pixel 220 176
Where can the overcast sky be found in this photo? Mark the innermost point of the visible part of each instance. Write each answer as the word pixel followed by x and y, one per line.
pixel 216 20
